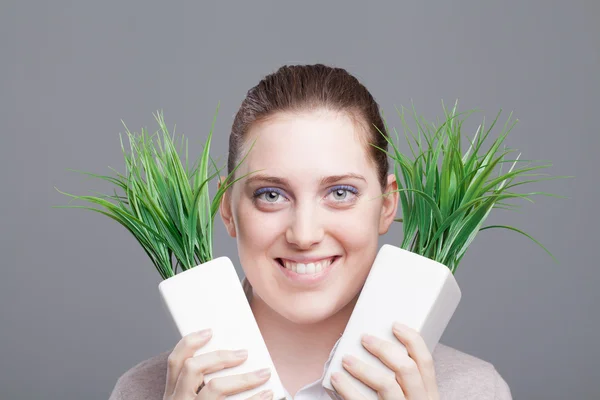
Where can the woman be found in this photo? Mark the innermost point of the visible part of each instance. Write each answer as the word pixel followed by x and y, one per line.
pixel 307 227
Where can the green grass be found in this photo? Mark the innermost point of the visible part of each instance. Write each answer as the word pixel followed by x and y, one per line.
pixel 166 205
pixel 444 203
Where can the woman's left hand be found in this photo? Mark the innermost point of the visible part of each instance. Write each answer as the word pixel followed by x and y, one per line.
pixel 414 374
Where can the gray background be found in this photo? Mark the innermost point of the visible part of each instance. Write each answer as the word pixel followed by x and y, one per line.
pixel 78 297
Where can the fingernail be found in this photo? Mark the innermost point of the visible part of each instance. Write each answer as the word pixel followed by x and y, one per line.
pixel 398 327
pixel 267 394
pixel 335 378
pixel 368 339
pixel 241 353
pixel 263 372
pixel 205 332
pixel 348 360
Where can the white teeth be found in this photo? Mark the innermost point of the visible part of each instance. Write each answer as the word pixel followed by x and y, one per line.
pixel 310 268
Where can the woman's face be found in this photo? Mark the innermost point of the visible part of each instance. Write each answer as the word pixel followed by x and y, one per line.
pixel 307 224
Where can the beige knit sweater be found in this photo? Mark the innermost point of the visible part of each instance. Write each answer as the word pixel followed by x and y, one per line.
pixel 460 377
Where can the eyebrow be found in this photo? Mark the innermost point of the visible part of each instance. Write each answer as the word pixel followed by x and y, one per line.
pixel 327 180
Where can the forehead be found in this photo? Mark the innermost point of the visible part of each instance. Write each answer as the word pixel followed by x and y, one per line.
pixel 324 142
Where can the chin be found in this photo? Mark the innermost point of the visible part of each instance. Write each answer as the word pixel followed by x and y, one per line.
pixel 303 312
pixel 307 316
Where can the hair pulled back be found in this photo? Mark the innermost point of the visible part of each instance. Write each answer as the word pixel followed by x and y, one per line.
pixel 304 88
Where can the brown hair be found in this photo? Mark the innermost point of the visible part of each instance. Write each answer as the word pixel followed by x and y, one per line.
pixel 301 88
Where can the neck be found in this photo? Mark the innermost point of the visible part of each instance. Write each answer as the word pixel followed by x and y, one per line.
pixel 289 342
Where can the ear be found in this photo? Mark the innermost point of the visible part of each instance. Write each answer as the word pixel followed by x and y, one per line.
pixel 225 210
pixel 389 208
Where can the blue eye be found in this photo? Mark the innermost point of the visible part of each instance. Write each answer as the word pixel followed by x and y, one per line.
pixel 272 194
pixel 342 191
pixel 340 194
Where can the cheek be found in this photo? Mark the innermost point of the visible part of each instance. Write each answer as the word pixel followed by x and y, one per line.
pixel 356 228
pixel 256 230
pixel 359 234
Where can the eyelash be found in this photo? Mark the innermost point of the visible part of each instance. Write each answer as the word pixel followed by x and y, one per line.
pixel 347 188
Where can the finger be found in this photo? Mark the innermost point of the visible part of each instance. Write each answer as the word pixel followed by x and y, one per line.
pixel 345 387
pixel 222 386
pixel 185 348
pixel 264 395
pixel 418 351
pixel 383 382
pixel 194 369
pixel 405 368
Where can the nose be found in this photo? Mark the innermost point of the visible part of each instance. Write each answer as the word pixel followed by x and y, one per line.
pixel 304 229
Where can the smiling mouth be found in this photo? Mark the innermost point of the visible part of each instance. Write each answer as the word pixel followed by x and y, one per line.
pixel 307 268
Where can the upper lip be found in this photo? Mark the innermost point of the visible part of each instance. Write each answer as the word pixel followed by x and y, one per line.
pixel 306 259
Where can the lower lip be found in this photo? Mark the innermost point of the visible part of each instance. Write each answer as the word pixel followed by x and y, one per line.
pixel 308 278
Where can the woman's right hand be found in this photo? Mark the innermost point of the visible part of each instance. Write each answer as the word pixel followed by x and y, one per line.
pixel 185 373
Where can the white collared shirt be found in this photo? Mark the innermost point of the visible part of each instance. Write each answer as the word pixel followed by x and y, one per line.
pixel 314 390
pixel 311 391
